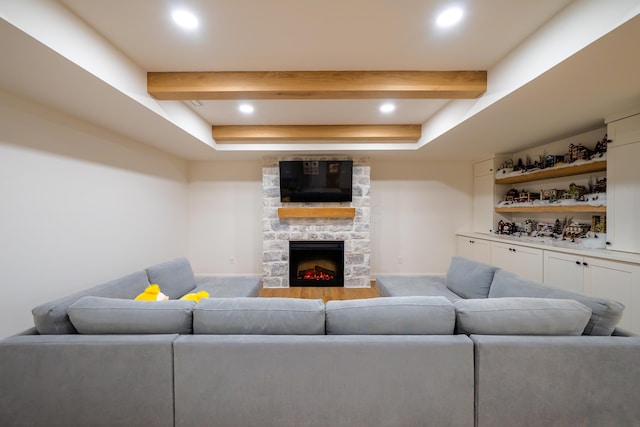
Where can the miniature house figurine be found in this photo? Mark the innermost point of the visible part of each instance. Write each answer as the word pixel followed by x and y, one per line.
pixel 551 160
pixel 575 230
pixel 599 224
pixel 552 194
pixel 601 146
pixel 577 152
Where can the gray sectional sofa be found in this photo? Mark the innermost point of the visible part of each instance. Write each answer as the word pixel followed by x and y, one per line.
pixel 453 356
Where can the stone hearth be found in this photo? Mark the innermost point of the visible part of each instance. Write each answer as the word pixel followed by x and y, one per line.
pixel 355 232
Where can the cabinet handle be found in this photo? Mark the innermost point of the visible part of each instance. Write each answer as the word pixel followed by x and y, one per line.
pixel 471 241
pixel 578 262
pixel 585 264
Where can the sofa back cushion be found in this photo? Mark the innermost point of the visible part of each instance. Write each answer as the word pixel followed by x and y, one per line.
pixel 417 315
pixel 469 279
pixel 51 318
pixel 268 316
pixel 175 277
pixel 97 315
pixel 521 316
pixel 605 314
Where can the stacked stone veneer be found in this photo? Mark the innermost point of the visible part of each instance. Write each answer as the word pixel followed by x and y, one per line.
pixel 353 231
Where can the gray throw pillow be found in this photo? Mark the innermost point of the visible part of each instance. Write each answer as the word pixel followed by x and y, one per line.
pixel 469 279
pixel 521 316
pixel 605 314
pixel 416 315
pixel 265 316
pixel 175 277
pixel 97 315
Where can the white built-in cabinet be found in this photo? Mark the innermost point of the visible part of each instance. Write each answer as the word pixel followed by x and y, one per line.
pixel 623 184
pixel 607 275
pixel 483 195
pixel 474 249
pixel 564 271
pixel 612 273
pixel 619 281
pixel 521 260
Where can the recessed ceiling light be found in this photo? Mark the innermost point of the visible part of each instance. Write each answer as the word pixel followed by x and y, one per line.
pixel 387 108
pixel 449 17
pixel 185 19
pixel 246 108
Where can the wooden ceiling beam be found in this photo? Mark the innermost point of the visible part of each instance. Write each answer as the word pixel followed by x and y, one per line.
pixel 347 133
pixel 253 85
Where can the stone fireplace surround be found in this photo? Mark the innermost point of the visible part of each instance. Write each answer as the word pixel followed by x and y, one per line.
pixel 355 232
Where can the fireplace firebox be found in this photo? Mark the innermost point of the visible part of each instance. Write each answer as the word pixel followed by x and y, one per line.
pixel 316 263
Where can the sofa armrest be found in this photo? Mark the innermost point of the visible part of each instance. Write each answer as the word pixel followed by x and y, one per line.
pixel 26 332
pixel 87 380
pixel 557 381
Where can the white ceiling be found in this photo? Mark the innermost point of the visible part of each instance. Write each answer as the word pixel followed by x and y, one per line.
pixel 556 67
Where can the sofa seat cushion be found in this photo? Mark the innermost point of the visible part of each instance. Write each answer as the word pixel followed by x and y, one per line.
pixel 421 285
pixel 175 277
pixel 521 316
pixel 268 316
pixel 97 315
pixel 469 279
pixel 51 318
pixel 415 315
pixel 605 314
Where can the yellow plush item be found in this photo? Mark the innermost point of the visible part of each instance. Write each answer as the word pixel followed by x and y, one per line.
pixel 196 297
pixel 152 293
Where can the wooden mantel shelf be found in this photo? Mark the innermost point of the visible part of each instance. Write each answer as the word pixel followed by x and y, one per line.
pixel 316 212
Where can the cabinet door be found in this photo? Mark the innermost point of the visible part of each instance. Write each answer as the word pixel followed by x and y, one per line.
pixel 521 260
pixel 502 256
pixel 474 249
pixel 623 197
pixel 563 271
pixel 483 204
pixel 618 281
pixel 529 262
pixel 483 168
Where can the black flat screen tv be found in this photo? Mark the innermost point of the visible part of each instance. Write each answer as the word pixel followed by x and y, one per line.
pixel 316 180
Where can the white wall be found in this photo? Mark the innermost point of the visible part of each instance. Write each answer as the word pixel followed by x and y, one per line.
pixel 78 206
pixel 416 209
pixel 225 217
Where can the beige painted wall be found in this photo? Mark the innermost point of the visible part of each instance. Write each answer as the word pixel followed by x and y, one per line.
pixel 417 207
pixel 78 206
pixel 225 217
